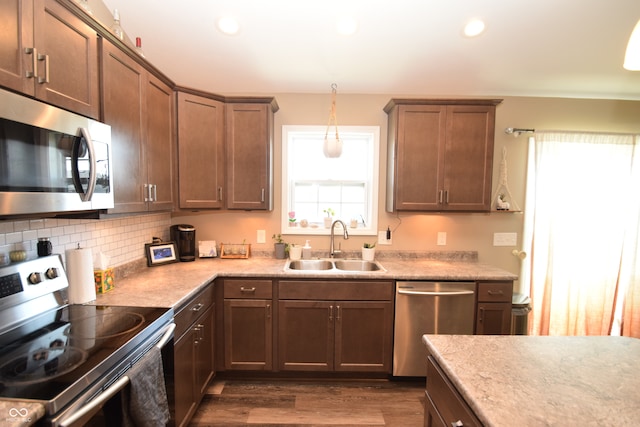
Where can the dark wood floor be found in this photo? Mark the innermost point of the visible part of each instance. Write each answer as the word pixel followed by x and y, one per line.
pixel 311 403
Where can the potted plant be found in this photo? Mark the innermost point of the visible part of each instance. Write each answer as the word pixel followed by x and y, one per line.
pixel 368 251
pixel 280 246
pixel 329 218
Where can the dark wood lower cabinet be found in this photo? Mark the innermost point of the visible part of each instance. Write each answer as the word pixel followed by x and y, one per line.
pixel 444 406
pixel 341 336
pixel 493 316
pixel 193 355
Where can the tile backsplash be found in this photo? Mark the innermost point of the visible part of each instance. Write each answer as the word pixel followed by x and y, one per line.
pixel 122 239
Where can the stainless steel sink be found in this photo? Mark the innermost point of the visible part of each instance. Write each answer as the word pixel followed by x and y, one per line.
pixel 310 264
pixel 357 265
pixel 333 265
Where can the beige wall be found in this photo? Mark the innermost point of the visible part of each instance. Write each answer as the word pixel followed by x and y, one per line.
pixel 414 231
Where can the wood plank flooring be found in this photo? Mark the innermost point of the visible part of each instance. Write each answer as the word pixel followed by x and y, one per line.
pixel 311 403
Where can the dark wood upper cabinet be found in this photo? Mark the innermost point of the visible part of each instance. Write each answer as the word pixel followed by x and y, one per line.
pixel 249 154
pixel 440 154
pixel 200 151
pixel 49 53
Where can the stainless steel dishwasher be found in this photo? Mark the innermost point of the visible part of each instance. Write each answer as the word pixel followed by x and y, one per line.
pixel 428 308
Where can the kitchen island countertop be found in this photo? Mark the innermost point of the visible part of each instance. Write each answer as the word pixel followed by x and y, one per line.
pixel 543 380
pixel 172 285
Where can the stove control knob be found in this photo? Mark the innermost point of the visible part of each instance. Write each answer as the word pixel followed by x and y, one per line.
pixel 51 273
pixel 35 278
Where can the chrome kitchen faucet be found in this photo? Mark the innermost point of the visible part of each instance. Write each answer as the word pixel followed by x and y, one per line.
pixel 333 253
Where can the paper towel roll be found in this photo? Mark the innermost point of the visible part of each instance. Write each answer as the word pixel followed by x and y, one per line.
pixel 82 285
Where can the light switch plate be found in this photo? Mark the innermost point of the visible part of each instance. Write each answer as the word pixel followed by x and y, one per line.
pixel 261 236
pixel 442 238
pixel 505 239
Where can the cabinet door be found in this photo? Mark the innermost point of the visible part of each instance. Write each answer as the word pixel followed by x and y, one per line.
pixel 468 157
pixel 418 156
pixel 17 35
pixel 68 70
pixel 124 82
pixel 160 146
pixel 200 151
pixel 306 335
pixel 249 143
pixel 184 390
pixel 494 318
pixel 248 334
pixel 363 336
pixel 204 351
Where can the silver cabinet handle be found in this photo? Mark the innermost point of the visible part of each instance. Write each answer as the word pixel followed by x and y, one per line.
pixel 44 79
pixel 197 307
pixel 147 192
pixel 155 193
pixel 220 194
pixel 446 197
pixel 268 308
pixel 247 290
pixel 262 196
pixel 337 312
pixel 493 292
pixel 330 313
pixel 458 423
pixel 481 315
pixel 440 196
pixel 34 62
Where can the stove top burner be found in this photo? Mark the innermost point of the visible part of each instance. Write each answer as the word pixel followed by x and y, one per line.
pixel 105 325
pixel 42 364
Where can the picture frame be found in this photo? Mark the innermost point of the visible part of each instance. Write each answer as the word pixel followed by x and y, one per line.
pixel 160 253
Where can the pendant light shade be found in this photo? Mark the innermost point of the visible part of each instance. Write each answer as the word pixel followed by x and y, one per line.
pixel 632 57
pixel 332 146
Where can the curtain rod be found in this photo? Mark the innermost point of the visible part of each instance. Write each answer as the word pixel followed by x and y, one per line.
pixel 517 131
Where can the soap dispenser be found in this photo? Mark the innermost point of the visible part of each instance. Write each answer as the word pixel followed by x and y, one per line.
pixel 306 250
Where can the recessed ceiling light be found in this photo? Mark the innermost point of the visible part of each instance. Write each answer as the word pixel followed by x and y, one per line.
pixel 228 25
pixel 346 26
pixel 474 28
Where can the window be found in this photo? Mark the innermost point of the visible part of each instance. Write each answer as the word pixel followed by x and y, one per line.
pixel 313 184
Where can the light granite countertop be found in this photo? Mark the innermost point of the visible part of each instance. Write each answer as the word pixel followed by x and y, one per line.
pixel 172 285
pixel 543 381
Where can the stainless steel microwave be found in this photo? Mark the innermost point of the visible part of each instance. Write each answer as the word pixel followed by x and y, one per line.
pixel 51 160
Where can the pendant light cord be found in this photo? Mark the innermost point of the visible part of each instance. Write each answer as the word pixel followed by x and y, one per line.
pixel 332 115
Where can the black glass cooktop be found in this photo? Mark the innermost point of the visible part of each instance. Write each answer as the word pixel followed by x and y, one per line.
pixel 71 347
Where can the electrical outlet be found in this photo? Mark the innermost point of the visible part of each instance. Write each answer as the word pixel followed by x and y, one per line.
pixel 442 238
pixel 382 238
pixel 505 239
pixel 261 236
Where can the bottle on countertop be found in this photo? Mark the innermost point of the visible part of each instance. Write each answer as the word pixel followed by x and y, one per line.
pixel 306 250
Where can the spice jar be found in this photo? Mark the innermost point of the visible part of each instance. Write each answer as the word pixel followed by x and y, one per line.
pixel 44 246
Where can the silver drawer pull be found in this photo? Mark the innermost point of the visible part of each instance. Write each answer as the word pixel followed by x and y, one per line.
pixel 197 307
pixel 498 292
pixel 247 290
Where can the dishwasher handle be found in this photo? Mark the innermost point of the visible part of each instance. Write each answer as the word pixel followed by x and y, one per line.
pixel 436 293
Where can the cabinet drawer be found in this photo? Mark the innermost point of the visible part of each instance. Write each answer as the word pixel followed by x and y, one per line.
pixel 251 289
pixel 495 291
pixel 329 290
pixel 188 313
pixel 448 403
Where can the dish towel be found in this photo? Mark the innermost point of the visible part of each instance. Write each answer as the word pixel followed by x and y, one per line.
pixel 145 400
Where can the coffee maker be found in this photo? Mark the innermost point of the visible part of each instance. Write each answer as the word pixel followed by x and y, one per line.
pixel 185 237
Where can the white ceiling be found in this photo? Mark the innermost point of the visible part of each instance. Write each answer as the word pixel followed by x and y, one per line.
pixel 558 48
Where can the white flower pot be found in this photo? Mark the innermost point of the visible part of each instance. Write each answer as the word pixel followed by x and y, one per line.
pixel 368 254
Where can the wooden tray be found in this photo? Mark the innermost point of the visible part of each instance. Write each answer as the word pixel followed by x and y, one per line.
pixel 235 250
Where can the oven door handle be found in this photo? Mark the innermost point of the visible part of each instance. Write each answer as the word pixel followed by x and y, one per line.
pixel 96 403
pixel 167 336
pixel 436 293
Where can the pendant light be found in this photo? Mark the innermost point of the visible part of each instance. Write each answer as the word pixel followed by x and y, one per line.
pixel 332 146
pixel 632 57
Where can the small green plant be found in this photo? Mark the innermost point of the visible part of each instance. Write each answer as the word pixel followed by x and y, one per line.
pixel 277 238
pixel 330 212
pixel 369 245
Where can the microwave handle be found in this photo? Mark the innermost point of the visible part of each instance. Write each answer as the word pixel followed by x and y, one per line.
pixel 85 196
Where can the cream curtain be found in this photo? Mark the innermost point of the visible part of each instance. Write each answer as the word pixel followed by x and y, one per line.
pixel 581 230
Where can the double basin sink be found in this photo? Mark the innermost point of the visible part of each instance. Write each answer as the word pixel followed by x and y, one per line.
pixel 327 265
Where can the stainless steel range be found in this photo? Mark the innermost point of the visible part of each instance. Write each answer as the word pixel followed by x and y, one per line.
pixel 70 358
